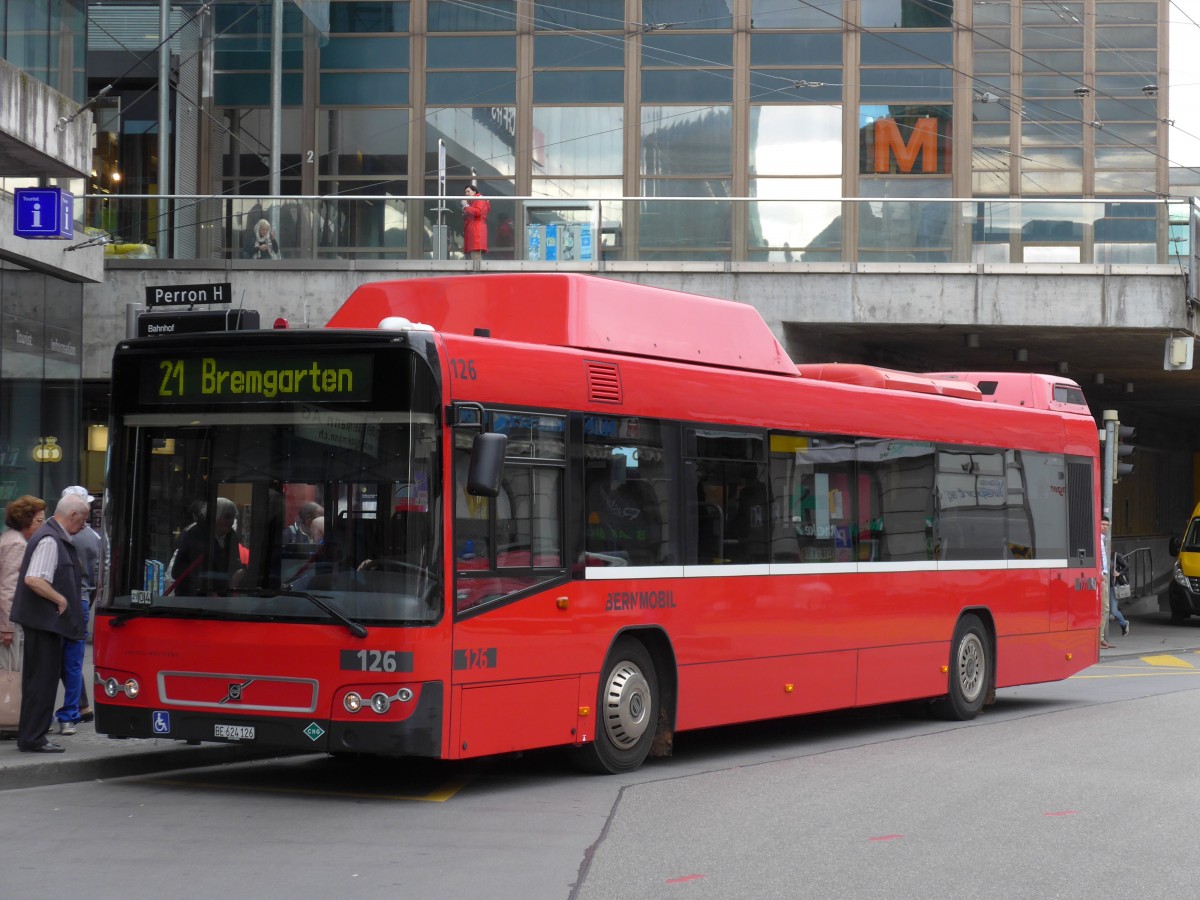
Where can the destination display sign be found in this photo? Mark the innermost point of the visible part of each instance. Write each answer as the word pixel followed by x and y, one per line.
pixel 305 376
pixel 189 294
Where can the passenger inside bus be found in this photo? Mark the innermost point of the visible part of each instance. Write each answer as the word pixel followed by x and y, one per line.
pixel 623 520
pixel 330 559
pixel 209 558
pixel 750 517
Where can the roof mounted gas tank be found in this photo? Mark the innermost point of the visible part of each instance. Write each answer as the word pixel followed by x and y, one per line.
pixel 1031 390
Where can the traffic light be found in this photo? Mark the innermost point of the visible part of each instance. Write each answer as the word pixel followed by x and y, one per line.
pixel 1124 451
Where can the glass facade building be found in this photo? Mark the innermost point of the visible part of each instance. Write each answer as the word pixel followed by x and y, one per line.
pixel 41 344
pixel 42 447
pixel 47 40
pixel 762 114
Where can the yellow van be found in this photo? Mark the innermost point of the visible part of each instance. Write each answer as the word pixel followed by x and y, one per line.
pixel 1185 579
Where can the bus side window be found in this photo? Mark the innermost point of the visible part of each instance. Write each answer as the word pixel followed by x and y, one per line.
pixel 627 519
pixel 748 524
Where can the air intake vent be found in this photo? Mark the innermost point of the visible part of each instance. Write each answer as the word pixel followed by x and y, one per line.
pixel 604 382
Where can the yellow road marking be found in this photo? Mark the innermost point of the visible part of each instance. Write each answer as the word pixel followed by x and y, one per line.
pixel 1140 673
pixel 1160 662
pixel 1171 661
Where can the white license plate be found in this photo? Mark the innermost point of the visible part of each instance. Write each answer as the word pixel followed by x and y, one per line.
pixel 234 732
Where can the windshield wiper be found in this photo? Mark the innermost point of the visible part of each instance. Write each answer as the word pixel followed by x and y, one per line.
pixel 124 617
pixel 355 629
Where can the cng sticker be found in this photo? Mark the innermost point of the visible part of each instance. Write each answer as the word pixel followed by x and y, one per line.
pixel 314 731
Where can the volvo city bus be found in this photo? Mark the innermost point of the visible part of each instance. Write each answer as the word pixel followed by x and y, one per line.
pixel 565 511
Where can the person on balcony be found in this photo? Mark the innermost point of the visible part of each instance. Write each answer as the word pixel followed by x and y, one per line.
pixel 263 243
pixel 475 212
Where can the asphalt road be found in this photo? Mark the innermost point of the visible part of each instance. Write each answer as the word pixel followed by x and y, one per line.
pixel 1085 788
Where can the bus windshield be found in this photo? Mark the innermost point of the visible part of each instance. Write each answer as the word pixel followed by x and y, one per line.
pixel 242 515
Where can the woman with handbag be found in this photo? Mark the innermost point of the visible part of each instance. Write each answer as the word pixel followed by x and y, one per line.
pixel 23 517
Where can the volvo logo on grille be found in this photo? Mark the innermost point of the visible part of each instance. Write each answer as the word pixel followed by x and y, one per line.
pixel 234 694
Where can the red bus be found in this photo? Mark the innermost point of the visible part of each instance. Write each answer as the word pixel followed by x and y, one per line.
pixel 563 510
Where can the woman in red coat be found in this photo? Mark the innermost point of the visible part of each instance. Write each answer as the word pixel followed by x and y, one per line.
pixel 475 212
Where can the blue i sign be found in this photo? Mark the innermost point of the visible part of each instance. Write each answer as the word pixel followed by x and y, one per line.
pixel 46 213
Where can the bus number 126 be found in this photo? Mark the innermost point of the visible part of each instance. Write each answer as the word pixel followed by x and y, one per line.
pixel 376 661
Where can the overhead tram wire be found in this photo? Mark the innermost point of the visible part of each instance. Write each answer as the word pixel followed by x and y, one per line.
pixel 153 220
pixel 1184 13
pixel 1009 48
pixel 1024 100
pixel 64 121
pixel 220 194
pixel 178 90
pixel 610 38
pixel 607 39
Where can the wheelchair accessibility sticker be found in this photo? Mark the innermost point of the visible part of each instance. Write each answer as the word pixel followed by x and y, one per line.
pixel 162 722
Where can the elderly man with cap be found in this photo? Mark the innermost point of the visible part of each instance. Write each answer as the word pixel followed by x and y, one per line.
pixel 47 605
pixel 90 547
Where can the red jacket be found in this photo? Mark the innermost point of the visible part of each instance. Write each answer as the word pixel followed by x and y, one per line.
pixel 475 225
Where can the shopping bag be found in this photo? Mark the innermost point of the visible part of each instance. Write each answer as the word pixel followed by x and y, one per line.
pixel 10 684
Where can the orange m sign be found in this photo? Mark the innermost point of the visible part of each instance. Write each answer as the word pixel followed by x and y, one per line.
pixel 890 145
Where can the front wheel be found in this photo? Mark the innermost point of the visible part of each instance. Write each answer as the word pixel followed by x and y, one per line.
pixel 970 672
pixel 1180 609
pixel 626 711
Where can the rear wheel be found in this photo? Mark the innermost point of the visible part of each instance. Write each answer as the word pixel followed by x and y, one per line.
pixel 970 672
pixel 626 711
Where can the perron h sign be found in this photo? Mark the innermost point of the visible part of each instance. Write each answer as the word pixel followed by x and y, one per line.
pixel 44 213
pixel 189 294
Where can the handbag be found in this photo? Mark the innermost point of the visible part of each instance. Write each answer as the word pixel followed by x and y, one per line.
pixel 1121 591
pixel 10 683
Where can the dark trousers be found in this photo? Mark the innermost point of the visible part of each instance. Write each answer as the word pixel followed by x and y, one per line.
pixel 39 685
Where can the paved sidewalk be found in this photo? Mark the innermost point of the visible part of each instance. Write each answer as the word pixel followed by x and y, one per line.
pixel 91 756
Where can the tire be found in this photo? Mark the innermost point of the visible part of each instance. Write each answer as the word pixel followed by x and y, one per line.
pixel 970 677
pixel 627 705
pixel 1180 611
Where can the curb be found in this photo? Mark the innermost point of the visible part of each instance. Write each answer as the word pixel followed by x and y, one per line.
pixel 62 769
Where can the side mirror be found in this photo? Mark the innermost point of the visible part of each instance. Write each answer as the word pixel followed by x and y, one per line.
pixel 487 464
pixel 1173 547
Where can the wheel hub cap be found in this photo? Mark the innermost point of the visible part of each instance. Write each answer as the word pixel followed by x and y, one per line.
pixel 626 706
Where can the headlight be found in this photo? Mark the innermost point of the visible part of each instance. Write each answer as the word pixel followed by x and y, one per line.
pixel 352 702
pixel 1180 578
pixel 130 688
pixel 381 702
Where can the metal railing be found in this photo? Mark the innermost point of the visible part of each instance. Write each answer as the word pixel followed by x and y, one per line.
pixel 593 230
pixel 1140 572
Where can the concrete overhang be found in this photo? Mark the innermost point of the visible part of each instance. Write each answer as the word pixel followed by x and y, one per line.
pixel 32 143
